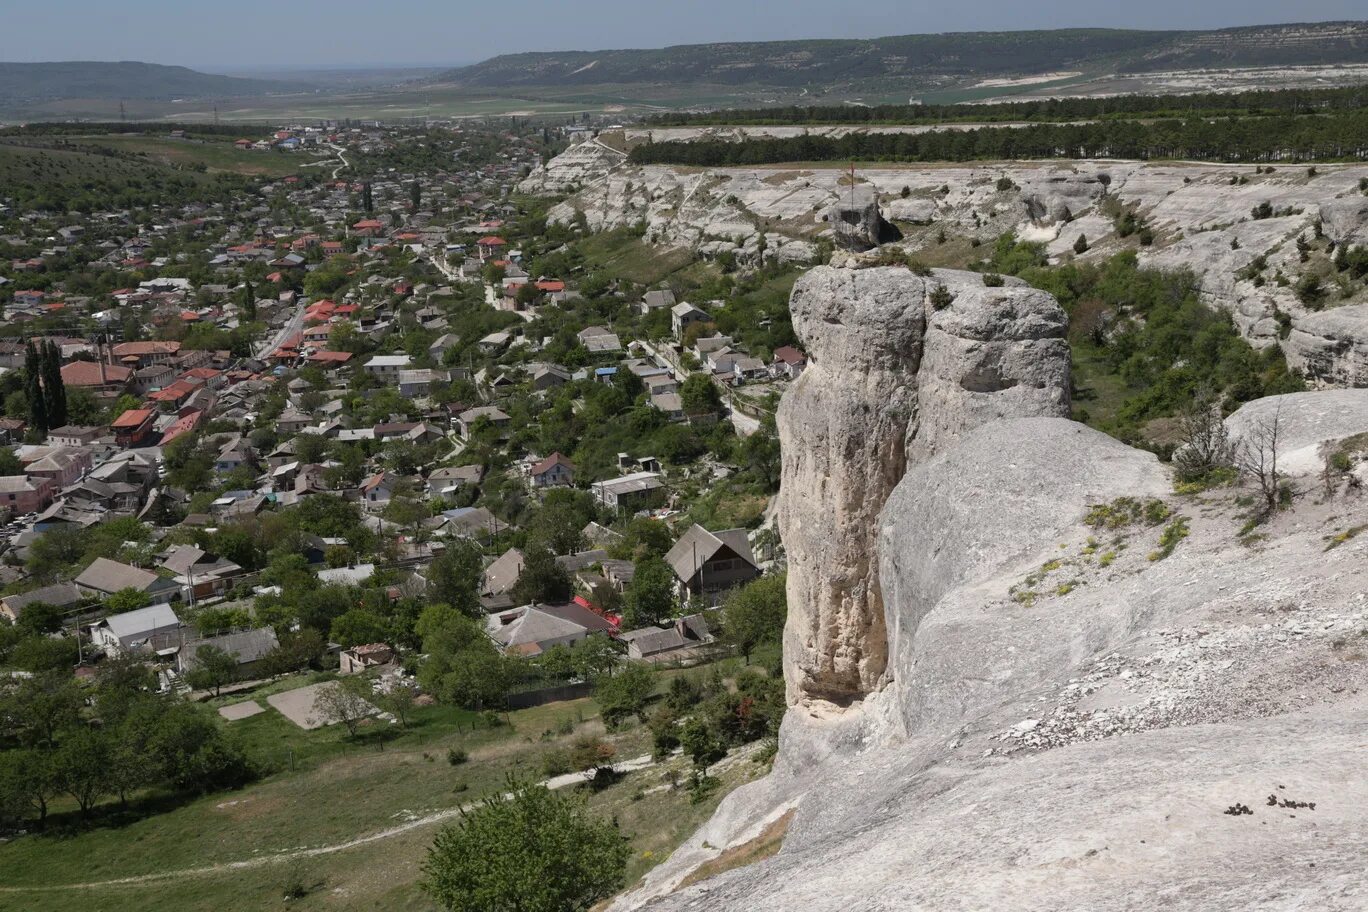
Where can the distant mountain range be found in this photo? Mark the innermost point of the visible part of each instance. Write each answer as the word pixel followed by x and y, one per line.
pixel 29 83
pixel 919 58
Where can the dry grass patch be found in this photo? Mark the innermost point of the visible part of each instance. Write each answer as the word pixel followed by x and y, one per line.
pixel 766 845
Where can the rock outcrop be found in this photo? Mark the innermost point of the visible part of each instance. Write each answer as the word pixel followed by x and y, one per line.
pixel 1095 694
pixel 891 378
pixel 1201 217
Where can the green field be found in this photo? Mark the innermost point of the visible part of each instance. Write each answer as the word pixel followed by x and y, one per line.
pixel 240 850
pixel 214 156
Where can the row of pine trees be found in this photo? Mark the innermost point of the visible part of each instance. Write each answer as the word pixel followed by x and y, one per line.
pixel 43 386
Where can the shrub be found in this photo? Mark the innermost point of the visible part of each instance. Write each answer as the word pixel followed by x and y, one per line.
pixel 456 756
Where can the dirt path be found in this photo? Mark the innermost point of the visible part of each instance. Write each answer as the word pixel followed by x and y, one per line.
pixel 627 766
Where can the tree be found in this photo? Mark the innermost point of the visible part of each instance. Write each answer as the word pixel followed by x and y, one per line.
pixel 592 754
pixel 543 579
pixel 213 668
pixel 415 195
pixel 343 701
pixel 651 598
pixel 1257 459
pixel 399 701
pixel 699 395
pixel 26 783
pixel 1081 245
pixel 358 627
pixel 126 600
pixel 33 389
pixel 367 198
pixel 454 576
pixel 702 742
pixel 532 851
pixel 54 390
pixel 1206 444
pixel 81 765
pixel 644 537
pixel 247 307
pixel 755 615
pixel 625 694
pixel 39 707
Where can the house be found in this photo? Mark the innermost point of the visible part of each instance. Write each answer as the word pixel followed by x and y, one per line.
pixel 670 405
pixel 597 340
pixel 788 362
pixel 154 628
pixel 378 490
pixel 249 647
pixel 234 454
pixel 495 342
pixel 491 247
pixel 708 564
pixel 104 577
pixel 102 379
pixel 502 574
pixel 74 435
pixel 653 644
pixel 132 428
pixel 60 595
pixel 62 466
pixel 359 658
pixel 141 354
pixel 355 575
pixel 657 300
pixel 414 384
pixel 445 343
pixel 683 315
pixel 630 492
pixel 472 419
pixel 449 480
pixel 201 574
pixel 553 471
pixel 533 629
pixel 388 367
pixel 22 494
pixel 471 522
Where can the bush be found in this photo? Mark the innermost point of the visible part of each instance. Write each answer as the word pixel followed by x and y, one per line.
pixel 456 756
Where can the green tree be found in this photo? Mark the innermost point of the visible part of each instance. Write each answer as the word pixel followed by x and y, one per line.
pixel 33 712
pixel 247 306
pixel 532 851
pixel 699 395
pixel 454 576
pixel 54 390
pixel 27 784
pixel 543 579
pixel 81 765
pixel 367 198
pixel 651 597
pixel 358 627
pixel 755 615
pixel 127 600
pixel 625 694
pixel 33 389
pixel 345 701
pixel 213 669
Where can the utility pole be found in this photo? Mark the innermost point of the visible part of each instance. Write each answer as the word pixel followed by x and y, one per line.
pixel 123 115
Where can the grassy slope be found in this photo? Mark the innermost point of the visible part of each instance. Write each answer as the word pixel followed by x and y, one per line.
pixel 336 792
pixel 216 156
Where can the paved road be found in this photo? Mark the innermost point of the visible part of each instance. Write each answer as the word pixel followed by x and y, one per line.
pixel 295 325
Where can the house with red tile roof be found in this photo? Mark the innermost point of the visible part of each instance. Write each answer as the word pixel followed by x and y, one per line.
pixel 133 426
pixel 96 376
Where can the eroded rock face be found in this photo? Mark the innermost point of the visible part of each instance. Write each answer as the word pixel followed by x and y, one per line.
pixel 891 379
pixel 1078 718
pixel 1331 347
pixel 844 422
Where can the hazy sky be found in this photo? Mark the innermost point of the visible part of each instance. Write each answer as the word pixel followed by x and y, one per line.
pixel 210 34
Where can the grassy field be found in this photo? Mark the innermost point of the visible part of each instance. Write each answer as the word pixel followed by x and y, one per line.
pixel 240 850
pixel 215 156
pixel 621 253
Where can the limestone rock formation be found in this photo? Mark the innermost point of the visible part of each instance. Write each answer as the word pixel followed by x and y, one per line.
pixel 1077 719
pixel 1095 693
pixel 891 378
pixel 857 223
pixel 1201 216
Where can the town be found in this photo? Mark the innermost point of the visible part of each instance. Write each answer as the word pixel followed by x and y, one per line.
pixel 373 440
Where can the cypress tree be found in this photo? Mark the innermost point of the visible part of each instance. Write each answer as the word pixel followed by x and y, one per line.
pixel 248 303
pixel 33 390
pixel 367 200
pixel 54 389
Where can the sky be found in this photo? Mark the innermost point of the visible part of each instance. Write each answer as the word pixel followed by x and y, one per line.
pixel 277 34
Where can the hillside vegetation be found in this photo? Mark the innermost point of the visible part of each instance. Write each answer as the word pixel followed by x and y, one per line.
pixel 34 82
pixel 825 62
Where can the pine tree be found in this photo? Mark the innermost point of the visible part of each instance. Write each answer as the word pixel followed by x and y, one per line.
pixel 54 389
pixel 33 390
pixel 416 195
pixel 367 200
pixel 249 311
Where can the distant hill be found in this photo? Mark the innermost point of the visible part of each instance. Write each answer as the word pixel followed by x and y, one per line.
pixel 918 58
pixel 30 83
